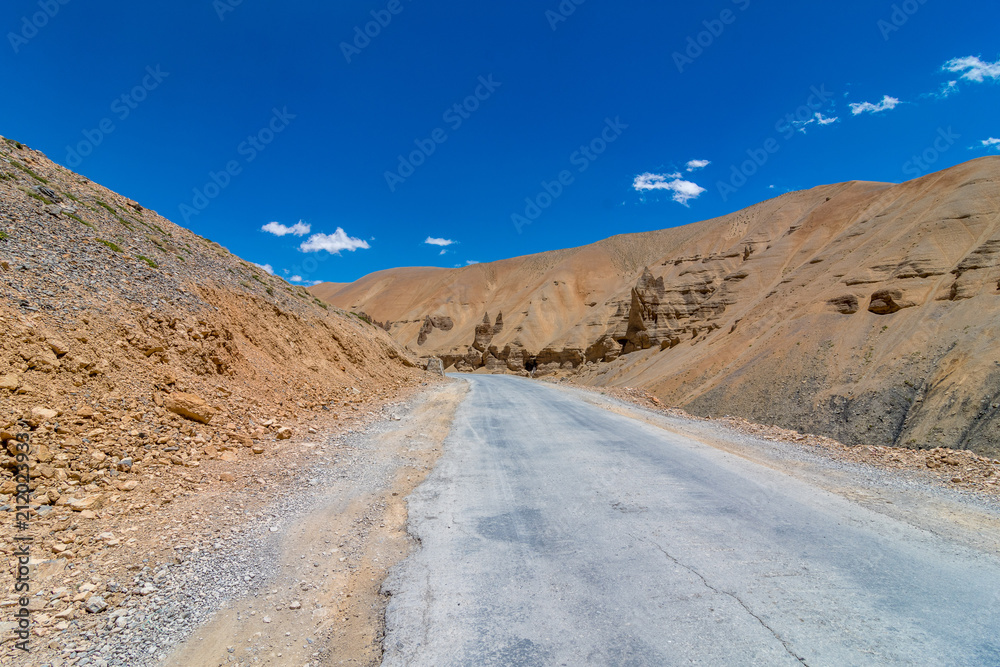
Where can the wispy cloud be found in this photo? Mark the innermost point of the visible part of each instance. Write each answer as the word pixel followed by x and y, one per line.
pixel 992 142
pixel 947 89
pixel 267 268
pixel 439 242
pixel 818 119
pixel 887 104
pixel 693 165
pixel 298 229
pixel 302 281
pixel 972 68
pixel 683 191
pixel 470 262
pixel 333 243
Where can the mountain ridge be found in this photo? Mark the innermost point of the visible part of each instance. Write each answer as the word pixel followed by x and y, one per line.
pixel 645 309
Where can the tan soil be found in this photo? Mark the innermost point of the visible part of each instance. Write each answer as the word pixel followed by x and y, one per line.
pixel 333 564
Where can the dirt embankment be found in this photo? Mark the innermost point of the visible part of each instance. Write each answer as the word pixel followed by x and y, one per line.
pixel 147 366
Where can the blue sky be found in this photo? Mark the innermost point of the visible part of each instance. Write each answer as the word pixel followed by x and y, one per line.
pixel 489 129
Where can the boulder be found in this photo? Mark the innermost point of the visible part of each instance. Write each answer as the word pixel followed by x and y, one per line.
pixel 190 407
pixel 95 604
pixel 10 382
pixel 284 433
pixel 888 301
pixel 435 365
pixel 59 347
pixel 43 414
pixel 83 504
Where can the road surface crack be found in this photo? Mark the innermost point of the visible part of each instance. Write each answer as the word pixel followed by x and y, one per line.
pixel 788 649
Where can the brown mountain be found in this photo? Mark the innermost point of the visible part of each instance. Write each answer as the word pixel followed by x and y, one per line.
pixel 863 311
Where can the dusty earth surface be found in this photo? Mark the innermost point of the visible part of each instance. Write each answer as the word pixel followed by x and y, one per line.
pixel 323 604
pixel 862 311
pixel 149 370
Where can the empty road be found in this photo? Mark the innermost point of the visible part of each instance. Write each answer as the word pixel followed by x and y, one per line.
pixel 554 532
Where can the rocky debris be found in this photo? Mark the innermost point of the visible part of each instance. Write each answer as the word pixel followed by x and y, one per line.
pixel 190 407
pixel 283 433
pixel 111 314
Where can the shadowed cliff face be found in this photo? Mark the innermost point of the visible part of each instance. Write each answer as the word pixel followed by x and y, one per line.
pixel 863 311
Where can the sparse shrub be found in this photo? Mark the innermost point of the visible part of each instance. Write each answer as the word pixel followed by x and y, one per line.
pixel 29 172
pixel 148 261
pixel 3 236
pixel 109 244
pixel 80 220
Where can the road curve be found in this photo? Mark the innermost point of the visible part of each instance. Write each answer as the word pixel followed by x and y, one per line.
pixel 553 532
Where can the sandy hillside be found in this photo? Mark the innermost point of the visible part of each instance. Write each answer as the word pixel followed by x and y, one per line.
pixel 151 370
pixel 867 312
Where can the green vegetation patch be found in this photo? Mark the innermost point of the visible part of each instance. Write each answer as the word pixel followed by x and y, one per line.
pixel 28 171
pixel 80 220
pixel 111 245
pixel 110 209
pixel 148 261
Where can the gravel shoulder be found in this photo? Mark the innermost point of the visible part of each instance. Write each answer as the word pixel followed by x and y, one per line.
pixel 205 569
pixel 316 597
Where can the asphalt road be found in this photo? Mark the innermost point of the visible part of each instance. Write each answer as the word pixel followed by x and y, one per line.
pixel 553 532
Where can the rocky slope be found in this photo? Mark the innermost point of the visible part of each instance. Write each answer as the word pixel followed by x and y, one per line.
pixel 862 311
pixel 147 365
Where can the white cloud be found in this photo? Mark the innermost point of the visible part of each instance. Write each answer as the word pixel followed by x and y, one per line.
pixel 333 243
pixel 683 190
pixel 991 142
pixel 443 252
pixel 298 229
pixel 697 164
pixel 439 242
pixel 948 88
pixel 817 118
pixel 973 69
pixel 267 268
pixel 470 262
pixel 303 281
pixel 888 103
